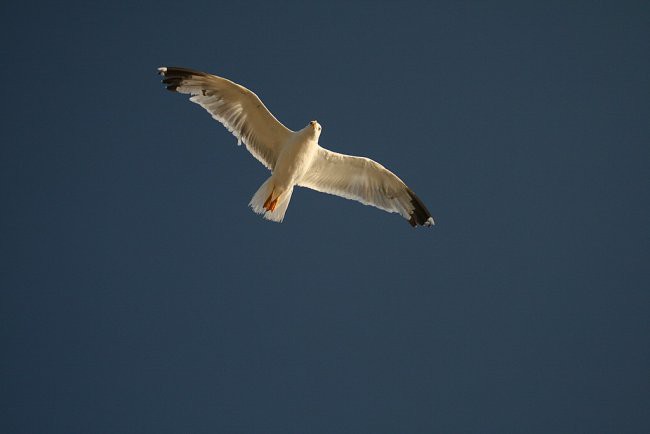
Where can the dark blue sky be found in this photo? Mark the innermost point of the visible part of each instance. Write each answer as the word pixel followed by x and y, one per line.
pixel 140 294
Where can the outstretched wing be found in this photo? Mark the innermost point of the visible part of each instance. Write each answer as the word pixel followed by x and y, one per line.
pixel 237 108
pixel 366 181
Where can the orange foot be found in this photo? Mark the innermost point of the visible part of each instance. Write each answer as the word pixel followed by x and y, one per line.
pixel 272 205
pixel 267 203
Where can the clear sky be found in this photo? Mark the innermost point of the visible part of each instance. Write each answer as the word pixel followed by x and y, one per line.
pixel 140 294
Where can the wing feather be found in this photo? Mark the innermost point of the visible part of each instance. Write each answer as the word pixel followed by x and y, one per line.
pixel 366 181
pixel 234 106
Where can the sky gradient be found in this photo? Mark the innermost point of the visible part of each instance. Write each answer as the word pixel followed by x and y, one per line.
pixel 140 294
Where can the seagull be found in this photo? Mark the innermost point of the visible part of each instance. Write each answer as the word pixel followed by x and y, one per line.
pixel 294 157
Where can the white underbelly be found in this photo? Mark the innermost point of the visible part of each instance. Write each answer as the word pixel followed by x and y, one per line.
pixel 293 162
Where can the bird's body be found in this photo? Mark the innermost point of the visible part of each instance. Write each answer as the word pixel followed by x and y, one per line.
pixel 294 161
pixel 294 157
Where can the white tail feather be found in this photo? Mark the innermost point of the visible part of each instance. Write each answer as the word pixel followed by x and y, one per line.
pixel 257 202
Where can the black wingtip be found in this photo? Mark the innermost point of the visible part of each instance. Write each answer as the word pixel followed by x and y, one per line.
pixel 179 72
pixel 175 75
pixel 420 216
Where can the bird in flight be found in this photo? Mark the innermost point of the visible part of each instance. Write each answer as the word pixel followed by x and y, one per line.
pixel 294 157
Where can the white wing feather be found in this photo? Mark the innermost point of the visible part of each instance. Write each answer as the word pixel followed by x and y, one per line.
pixel 366 181
pixel 237 108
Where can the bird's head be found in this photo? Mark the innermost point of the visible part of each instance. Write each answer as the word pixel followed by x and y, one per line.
pixel 315 128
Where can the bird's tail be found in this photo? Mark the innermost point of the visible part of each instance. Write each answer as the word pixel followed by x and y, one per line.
pixel 270 202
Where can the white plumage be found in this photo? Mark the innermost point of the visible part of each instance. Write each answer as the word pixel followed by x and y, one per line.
pixel 294 157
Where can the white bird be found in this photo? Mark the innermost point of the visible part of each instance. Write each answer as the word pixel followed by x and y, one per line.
pixel 294 157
